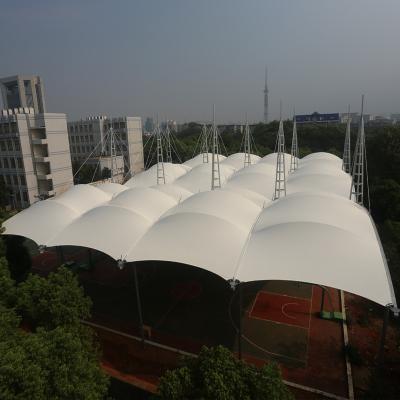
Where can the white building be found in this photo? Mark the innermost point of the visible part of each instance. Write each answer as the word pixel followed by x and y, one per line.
pixel 23 91
pixel 90 138
pixel 35 161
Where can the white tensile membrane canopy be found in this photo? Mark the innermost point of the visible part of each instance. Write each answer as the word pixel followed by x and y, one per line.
pixel 315 234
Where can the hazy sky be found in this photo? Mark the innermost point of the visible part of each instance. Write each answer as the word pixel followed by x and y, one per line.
pixel 178 57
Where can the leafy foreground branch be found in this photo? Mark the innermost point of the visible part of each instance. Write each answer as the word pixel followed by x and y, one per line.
pixel 56 358
pixel 217 375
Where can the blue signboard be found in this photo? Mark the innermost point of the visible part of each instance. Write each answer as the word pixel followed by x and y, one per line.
pixel 317 117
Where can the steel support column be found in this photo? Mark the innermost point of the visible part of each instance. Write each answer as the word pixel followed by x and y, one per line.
pixel 381 350
pixel 139 303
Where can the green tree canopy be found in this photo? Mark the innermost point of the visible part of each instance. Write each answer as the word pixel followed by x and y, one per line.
pixel 57 358
pixel 217 375
pixel 57 300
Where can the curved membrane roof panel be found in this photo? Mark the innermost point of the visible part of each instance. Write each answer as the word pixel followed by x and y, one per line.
pixel 110 188
pixel 222 204
pixel 237 160
pixel 338 185
pixel 260 183
pixel 324 167
pixel 262 168
pixel 322 156
pixel 317 207
pixel 108 229
pixel 40 222
pixel 317 253
pixel 148 202
pixel 198 239
pixel 271 159
pixel 149 177
pixel 258 199
pixel 82 198
pixel 199 178
pixel 178 193
pixel 198 160
pixel 314 234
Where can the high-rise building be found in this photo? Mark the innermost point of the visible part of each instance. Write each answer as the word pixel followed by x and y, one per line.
pixel 266 116
pixel 23 91
pixel 35 161
pixel 90 138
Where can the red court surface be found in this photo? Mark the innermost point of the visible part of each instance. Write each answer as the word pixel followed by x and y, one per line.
pixel 282 309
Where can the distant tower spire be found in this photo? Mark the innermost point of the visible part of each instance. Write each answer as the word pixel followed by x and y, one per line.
pixel 294 154
pixel 280 174
pixel 160 157
pixel 247 145
pixel 346 165
pixel 266 97
pixel 357 182
pixel 215 171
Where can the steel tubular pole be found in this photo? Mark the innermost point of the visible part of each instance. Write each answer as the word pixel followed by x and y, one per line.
pixel 60 255
pixel 139 304
pixel 322 299
pixel 90 257
pixel 240 321
pixel 381 350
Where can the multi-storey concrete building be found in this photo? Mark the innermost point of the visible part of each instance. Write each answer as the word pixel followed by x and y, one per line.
pixel 90 138
pixel 35 161
pixel 23 91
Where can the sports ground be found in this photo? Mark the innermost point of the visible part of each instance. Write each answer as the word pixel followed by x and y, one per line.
pixel 184 307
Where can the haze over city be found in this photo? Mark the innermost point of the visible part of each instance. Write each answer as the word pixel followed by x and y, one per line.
pixel 177 57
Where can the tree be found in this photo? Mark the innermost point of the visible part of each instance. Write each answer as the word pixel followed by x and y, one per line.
pixel 57 358
pixel 106 173
pixel 4 194
pixel 216 374
pixel 18 257
pixel 57 300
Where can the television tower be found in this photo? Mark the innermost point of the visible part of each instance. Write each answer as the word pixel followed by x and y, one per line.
pixel 266 97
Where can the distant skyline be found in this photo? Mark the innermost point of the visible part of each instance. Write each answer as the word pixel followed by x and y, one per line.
pixel 176 58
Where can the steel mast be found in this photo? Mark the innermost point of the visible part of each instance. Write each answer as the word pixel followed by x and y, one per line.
pixel 168 142
pixel 204 143
pixel 346 165
pixel 215 170
pixel 294 153
pixel 247 145
pixel 280 174
pixel 160 158
pixel 357 182
pixel 113 155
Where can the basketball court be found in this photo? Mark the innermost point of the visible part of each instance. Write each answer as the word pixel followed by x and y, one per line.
pixel 276 323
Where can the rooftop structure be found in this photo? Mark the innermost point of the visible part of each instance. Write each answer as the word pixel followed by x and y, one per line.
pixel 23 91
pixel 235 231
pixel 316 117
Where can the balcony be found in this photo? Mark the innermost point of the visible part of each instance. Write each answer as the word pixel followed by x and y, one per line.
pixel 42 159
pixel 43 177
pixel 39 141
